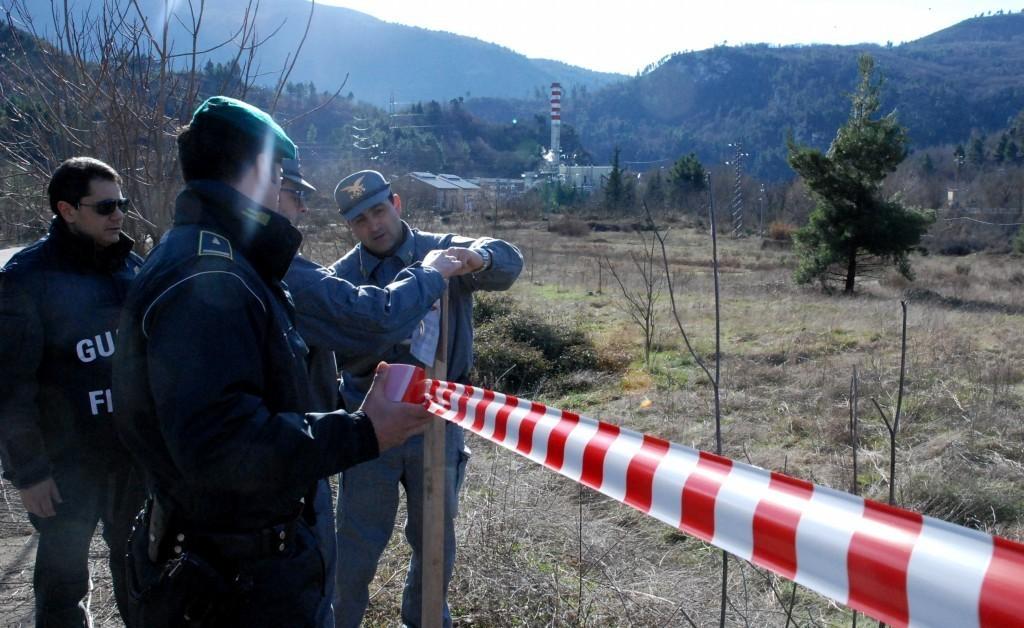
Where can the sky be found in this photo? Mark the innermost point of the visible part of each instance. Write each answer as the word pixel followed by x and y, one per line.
pixel 626 35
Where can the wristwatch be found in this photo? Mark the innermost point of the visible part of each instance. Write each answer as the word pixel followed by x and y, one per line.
pixel 486 255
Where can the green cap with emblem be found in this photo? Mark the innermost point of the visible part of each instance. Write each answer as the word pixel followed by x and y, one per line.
pixel 245 118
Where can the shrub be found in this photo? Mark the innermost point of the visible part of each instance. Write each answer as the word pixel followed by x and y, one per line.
pixel 571 227
pixel 500 363
pixel 553 339
pixel 1018 243
pixel 974 502
pixel 781 231
pixel 960 247
pixel 519 350
pixel 489 306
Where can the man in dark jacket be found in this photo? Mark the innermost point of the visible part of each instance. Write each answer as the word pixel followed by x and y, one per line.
pixel 215 388
pixel 335 316
pixel 368 500
pixel 59 303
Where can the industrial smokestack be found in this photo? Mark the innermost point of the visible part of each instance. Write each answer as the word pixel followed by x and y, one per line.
pixel 556 123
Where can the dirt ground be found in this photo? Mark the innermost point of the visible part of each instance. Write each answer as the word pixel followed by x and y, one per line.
pixel 17 549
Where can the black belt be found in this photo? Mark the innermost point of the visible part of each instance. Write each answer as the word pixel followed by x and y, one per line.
pixel 268 542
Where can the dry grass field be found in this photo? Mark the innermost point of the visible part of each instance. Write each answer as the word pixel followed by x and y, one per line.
pixel 537 550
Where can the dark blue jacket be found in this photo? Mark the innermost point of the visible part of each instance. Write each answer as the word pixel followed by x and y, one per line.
pixel 212 375
pixel 338 318
pixel 362 267
pixel 59 305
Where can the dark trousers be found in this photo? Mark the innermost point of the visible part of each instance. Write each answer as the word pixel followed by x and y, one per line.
pixel 61 579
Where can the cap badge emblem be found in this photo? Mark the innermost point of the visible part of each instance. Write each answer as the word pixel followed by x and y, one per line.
pixel 355 190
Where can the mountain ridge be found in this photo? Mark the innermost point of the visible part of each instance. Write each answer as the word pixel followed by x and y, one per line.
pixel 944 87
pixel 383 60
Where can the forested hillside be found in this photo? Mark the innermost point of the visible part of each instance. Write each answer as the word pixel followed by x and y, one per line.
pixel 963 79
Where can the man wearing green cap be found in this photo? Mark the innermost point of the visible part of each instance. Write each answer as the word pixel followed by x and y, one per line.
pixel 212 386
pixel 369 495
pixel 336 317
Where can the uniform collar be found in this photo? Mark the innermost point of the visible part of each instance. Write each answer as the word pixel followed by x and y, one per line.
pixel 404 252
pixel 267 240
pixel 83 251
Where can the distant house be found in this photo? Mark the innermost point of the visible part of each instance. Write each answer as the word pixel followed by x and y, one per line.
pixel 585 178
pixel 443 193
pixel 501 190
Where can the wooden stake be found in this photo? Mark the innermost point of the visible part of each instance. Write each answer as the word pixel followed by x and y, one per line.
pixel 433 493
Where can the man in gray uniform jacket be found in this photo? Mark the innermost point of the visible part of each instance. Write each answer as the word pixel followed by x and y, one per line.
pixel 368 500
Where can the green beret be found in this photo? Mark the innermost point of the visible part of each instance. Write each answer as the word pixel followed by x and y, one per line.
pixel 250 120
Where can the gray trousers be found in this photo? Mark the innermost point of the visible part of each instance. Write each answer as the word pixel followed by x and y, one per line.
pixel 366 510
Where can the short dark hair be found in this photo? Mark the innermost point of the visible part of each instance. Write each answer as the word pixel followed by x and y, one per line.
pixel 70 181
pixel 211 149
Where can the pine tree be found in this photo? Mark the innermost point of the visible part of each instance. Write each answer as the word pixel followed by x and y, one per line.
pixel 628 191
pixel 686 176
pixel 614 187
pixel 1011 154
pixel 927 165
pixel 977 153
pixel 851 219
pixel 654 191
pixel 999 156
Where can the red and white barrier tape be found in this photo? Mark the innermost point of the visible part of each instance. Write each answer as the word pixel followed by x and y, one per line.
pixel 895 565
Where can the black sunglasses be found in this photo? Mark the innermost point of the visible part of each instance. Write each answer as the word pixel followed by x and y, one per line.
pixel 107 207
pixel 299 194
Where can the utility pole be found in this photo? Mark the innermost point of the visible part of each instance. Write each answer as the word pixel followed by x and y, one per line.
pixel 958 159
pixel 761 200
pixel 736 206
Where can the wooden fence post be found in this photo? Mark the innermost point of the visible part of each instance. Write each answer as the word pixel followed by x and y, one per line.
pixel 434 491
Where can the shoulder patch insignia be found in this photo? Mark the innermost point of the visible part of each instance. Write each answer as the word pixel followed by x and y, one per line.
pixel 261 216
pixel 211 243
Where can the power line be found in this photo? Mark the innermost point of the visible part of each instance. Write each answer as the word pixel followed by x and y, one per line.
pixel 982 222
pixel 652 161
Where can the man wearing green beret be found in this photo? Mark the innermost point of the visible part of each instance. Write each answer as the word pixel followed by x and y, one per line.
pixel 337 318
pixel 211 379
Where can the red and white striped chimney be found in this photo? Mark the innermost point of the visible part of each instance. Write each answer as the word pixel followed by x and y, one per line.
pixel 556 122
